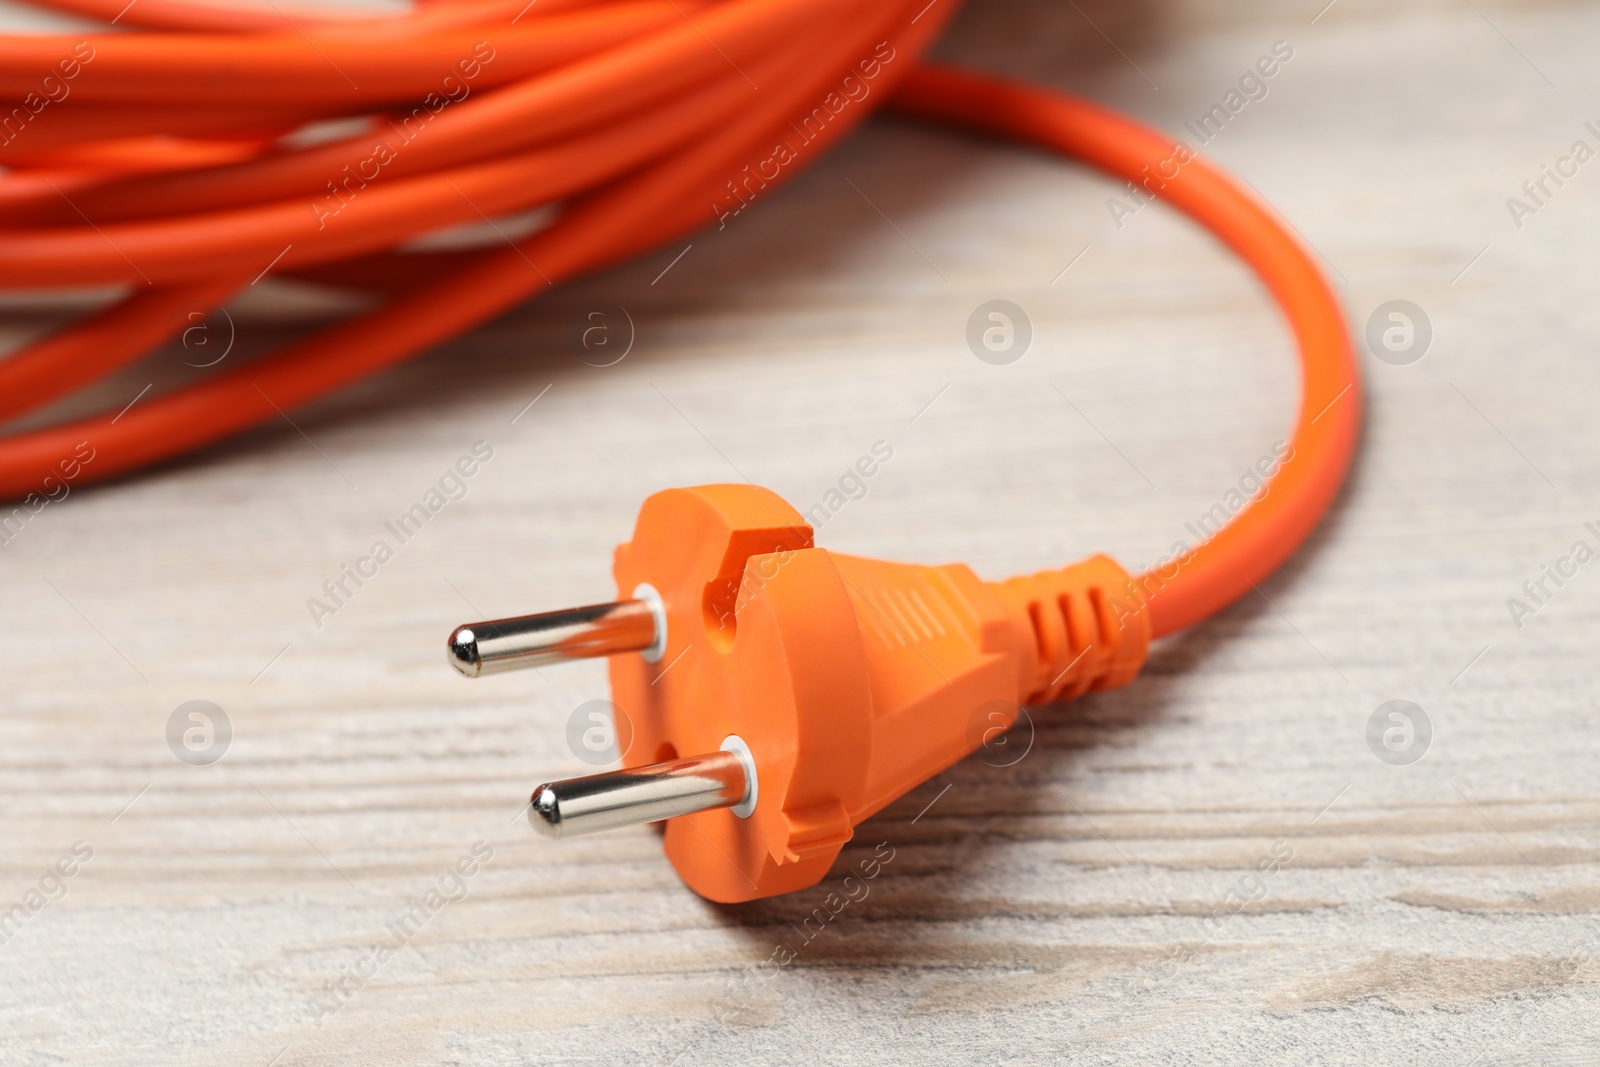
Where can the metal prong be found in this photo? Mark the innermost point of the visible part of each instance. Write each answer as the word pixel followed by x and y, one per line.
pixel 553 637
pixel 638 795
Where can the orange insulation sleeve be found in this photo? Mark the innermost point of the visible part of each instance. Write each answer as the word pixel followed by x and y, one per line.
pixel 1268 530
pixel 100 343
pixel 669 195
pixel 157 160
pixel 252 16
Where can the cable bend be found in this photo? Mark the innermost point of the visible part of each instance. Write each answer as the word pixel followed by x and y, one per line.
pixel 1269 528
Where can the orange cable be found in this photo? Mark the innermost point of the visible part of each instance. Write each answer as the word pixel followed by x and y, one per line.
pixel 1268 529
pixel 155 160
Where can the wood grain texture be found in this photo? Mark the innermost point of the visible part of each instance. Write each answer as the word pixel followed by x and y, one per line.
pixel 1072 908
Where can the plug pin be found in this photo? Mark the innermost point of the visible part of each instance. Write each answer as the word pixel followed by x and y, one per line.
pixel 665 790
pixel 636 625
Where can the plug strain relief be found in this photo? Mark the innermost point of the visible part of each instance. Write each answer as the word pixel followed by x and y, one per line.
pixel 1078 629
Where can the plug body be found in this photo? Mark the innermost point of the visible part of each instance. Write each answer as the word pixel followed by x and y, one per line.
pixel 850 680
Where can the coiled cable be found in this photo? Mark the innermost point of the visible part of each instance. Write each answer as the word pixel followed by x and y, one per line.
pixel 215 145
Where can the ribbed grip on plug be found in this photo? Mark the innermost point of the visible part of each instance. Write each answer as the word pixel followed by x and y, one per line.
pixel 1086 630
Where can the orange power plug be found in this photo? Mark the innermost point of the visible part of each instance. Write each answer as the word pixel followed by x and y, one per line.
pixel 783 693
pixel 810 689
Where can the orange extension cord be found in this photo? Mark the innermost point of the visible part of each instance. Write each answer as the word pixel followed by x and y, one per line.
pixel 158 161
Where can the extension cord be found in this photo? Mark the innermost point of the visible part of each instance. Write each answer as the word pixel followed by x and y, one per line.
pixel 821 686
pixel 809 689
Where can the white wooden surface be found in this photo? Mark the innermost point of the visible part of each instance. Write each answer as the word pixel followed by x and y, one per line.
pixel 1053 911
